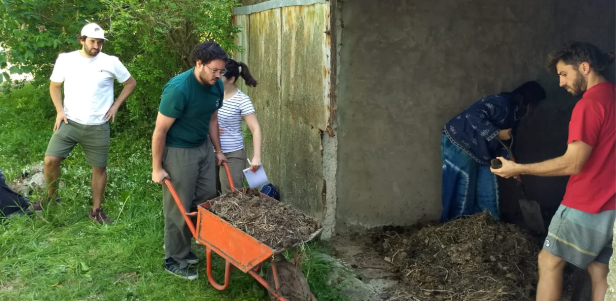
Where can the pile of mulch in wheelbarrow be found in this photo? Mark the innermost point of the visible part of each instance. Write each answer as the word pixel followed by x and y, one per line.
pixel 273 223
pixel 474 258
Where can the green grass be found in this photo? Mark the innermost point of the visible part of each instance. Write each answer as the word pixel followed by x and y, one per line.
pixel 61 255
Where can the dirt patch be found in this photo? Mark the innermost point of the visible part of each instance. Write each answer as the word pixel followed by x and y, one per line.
pixel 271 222
pixel 475 258
pixel 31 180
pixel 6 287
pixel 129 277
pixel 356 253
pixel 11 286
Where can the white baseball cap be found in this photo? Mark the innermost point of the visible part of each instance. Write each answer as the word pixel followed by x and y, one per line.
pixel 93 30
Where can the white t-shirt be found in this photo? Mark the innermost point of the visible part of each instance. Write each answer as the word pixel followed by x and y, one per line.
pixel 88 84
pixel 230 119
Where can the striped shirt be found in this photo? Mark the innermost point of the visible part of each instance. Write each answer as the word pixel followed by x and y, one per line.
pixel 230 119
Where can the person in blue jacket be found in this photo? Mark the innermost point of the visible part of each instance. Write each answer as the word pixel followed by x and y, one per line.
pixel 470 140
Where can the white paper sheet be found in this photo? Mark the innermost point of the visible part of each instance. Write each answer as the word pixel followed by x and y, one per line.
pixel 255 179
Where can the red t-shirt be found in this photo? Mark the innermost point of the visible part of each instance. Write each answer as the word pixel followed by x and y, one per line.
pixel 593 122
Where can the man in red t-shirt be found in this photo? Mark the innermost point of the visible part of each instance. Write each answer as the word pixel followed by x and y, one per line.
pixel 581 231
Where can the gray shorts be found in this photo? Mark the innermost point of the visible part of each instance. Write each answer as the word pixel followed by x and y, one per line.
pixel 94 140
pixel 580 237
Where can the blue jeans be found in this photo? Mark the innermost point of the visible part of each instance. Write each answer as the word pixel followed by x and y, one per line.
pixel 468 187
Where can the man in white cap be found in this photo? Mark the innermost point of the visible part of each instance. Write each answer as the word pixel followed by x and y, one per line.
pixel 88 76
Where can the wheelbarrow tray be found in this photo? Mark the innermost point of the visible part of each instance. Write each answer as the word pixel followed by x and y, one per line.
pixel 242 250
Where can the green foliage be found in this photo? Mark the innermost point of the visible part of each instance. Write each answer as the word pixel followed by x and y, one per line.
pixel 152 38
pixel 24 132
pixel 27 98
pixel 34 32
pixel 158 36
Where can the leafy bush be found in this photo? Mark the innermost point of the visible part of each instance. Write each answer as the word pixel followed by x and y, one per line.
pixel 152 38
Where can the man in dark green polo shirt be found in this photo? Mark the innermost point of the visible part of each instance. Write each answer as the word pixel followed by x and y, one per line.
pixel 186 129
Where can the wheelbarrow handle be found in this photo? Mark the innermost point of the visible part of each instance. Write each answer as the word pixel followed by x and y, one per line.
pixel 226 166
pixel 178 202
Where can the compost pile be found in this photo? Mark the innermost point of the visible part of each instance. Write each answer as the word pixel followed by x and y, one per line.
pixel 271 222
pixel 474 258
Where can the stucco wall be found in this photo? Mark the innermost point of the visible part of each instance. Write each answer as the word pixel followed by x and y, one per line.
pixel 407 67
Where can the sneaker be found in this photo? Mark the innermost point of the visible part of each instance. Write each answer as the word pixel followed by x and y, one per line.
pixel 38 206
pixel 99 216
pixel 192 258
pixel 173 267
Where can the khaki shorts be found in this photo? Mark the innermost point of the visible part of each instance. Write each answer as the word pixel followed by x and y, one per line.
pixel 580 237
pixel 94 140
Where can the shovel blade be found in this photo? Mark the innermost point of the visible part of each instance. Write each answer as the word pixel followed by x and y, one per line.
pixel 531 211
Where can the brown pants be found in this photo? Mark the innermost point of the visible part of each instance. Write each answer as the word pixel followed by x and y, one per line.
pixel 237 164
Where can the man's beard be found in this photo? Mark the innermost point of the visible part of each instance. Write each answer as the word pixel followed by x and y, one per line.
pixel 204 80
pixel 579 85
pixel 90 51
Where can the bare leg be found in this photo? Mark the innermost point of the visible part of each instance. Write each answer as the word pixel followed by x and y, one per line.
pixel 550 286
pixel 598 274
pixel 99 180
pixel 52 174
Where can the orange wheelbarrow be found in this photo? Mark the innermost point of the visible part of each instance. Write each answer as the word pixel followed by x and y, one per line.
pixel 284 281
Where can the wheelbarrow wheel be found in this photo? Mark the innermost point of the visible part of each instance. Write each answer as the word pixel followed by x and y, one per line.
pixel 293 284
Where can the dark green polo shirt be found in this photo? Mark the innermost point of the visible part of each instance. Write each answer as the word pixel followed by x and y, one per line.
pixel 192 105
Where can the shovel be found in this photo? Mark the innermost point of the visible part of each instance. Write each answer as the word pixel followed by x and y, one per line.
pixel 531 210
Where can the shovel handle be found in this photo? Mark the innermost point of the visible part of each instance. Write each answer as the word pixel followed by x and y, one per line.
pixel 496 163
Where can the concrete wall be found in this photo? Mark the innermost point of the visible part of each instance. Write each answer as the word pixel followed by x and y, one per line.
pixel 407 67
pixel 251 2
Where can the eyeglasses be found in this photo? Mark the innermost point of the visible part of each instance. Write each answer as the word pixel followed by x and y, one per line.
pixel 222 72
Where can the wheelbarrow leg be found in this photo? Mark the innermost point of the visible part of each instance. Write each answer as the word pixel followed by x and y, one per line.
pixel 228 268
pixel 257 268
pixel 275 273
